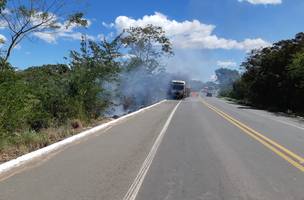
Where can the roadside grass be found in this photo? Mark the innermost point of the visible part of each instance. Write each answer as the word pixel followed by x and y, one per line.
pixel 13 145
pixel 241 102
pixel 16 144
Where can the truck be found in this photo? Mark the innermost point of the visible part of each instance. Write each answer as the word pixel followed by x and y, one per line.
pixel 178 89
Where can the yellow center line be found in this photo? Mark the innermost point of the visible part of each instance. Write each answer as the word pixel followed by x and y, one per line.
pixel 283 152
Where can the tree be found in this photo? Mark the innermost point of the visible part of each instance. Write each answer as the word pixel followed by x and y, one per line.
pixel 22 18
pixel 91 68
pixel 225 78
pixel 296 77
pixel 140 84
pixel 49 84
pixel 266 73
pixel 147 45
pixel 17 105
pixel 273 76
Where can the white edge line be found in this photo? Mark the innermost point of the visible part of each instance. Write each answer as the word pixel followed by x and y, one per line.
pixel 7 166
pixel 135 187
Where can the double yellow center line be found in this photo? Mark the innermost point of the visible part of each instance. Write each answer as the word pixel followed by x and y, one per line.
pixel 283 152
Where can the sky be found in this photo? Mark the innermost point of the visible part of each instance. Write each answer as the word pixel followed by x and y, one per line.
pixel 206 34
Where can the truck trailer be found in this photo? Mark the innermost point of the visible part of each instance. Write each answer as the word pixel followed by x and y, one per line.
pixel 178 89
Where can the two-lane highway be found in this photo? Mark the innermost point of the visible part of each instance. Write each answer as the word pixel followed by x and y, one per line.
pixel 190 150
pixel 204 156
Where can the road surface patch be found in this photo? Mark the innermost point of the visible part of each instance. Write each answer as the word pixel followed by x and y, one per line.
pixel 291 157
pixel 278 120
pixel 134 189
pixel 22 160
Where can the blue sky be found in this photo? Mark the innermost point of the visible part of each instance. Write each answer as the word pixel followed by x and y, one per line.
pixel 206 34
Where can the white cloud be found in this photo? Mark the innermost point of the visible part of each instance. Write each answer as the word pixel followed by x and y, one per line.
pixel 52 37
pixel 189 34
pixel 110 25
pixel 66 30
pixel 63 32
pixel 47 37
pixel 226 64
pixel 3 24
pixel 262 1
pixel 6 11
pixel 2 39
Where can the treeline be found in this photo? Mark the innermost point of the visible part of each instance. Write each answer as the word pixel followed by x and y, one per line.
pixel 125 72
pixel 273 77
pixel 50 95
pixel 225 80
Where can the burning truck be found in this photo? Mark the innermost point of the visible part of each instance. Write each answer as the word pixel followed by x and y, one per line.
pixel 178 89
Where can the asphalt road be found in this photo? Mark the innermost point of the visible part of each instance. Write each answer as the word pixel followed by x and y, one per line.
pixel 208 149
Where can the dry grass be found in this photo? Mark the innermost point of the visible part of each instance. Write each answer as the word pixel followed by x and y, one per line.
pixel 15 145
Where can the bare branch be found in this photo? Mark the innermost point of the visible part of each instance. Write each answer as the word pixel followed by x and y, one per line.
pixel 28 16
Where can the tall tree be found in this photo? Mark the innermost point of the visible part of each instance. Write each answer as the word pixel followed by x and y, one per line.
pixel 147 44
pixel 273 76
pixel 91 68
pixel 226 77
pixel 296 79
pixel 141 84
pixel 22 18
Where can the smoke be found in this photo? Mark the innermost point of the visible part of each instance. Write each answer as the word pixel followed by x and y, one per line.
pixel 198 49
pixel 195 64
pixel 138 88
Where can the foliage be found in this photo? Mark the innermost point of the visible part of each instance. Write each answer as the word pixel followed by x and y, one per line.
pixel 46 97
pixel 93 67
pixel 147 44
pixel 26 142
pixel 50 95
pixel 296 78
pixel 225 78
pixel 49 84
pixel 273 76
pixel 143 77
pixel 17 104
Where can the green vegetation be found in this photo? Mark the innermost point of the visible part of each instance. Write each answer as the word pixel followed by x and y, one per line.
pixel 43 104
pixel 53 96
pixel 273 77
pixel 143 79
pixel 225 79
